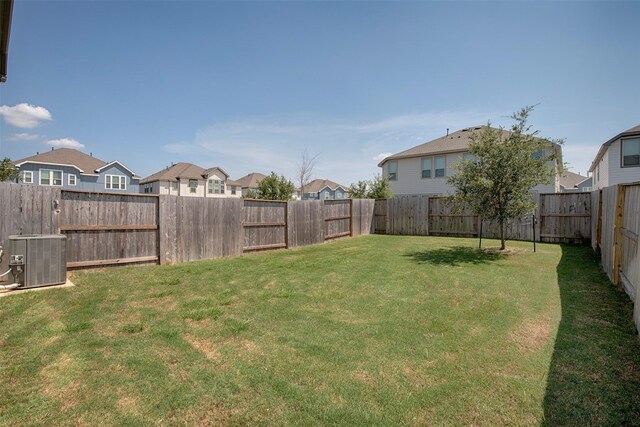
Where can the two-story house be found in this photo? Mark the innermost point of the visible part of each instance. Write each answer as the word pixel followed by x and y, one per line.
pixel 74 170
pixel 618 160
pixel 320 189
pixel 424 169
pixel 187 179
pixel 250 182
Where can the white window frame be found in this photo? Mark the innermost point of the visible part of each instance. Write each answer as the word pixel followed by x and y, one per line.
pixel 193 189
pixel 622 156
pixel 109 181
pixel 436 168
pixel 75 180
pixel 422 169
pixel 51 172
pixel 23 177
pixel 395 174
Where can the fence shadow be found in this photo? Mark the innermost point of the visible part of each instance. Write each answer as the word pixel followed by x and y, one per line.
pixel 454 256
pixel 594 376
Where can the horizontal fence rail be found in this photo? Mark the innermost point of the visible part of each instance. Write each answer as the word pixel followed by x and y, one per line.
pixel 105 229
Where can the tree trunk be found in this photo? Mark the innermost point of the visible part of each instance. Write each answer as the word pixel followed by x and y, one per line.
pixel 502 245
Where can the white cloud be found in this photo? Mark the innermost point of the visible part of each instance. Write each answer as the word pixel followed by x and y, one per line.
pixel 24 137
pixel 24 115
pixel 65 143
pixel 380 157
pixel 349 149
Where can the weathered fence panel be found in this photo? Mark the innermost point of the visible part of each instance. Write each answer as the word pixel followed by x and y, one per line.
pixel 196 228
pixel 362 216
pixel 629 259
pixel 26 209
pixel 380 216
pixel 105 228
pixel 565 217
pixel 596 219
pixel 265 225
pixel 608 228
pixel 443 221
pixel 306 223
pixel 337 218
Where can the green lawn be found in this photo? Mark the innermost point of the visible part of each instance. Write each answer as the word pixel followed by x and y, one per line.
pixel 375 330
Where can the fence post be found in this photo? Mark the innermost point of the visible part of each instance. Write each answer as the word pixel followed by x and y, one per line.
pixel 286 225
pixel 599 222
pixel 617 234
pixel 350 217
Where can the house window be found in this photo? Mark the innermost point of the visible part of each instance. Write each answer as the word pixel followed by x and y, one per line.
pixel 537 155
pixel 193 185
pixel 27 177
pixel 426 167
pixel 233 190
pixel 210 186
pixel 393 171
pixel 50 177
pixel 468 157
pixel 174 185
pixel 71 179
pixel 440 165
pixel 148 187
pixel 115 182
pixel 630 152
pixel 326 195
pixel 216 186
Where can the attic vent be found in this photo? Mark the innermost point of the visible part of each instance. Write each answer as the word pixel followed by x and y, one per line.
pixel 478 128
pixel 465 130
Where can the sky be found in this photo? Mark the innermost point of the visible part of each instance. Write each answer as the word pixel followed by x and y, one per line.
pixel 248 86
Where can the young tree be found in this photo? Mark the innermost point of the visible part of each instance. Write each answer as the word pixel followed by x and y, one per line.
pixel 497 183
pixel 275 187
pixel 359 190
pixel 379 188
pixel 304 170
pixel 8 170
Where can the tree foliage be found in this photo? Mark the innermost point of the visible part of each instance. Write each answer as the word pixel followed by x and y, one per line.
pixel 8 171
pixel 378 188
pixel 497 183
pixel 274 187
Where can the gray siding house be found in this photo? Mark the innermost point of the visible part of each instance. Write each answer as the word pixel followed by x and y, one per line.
pixel 74 170
pixel 618 160
pixel 320 189
pixel 424 169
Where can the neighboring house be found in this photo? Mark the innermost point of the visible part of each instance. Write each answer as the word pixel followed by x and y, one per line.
pixel 187 179
pixel 424 169
pixel 74 170
pixel 573 182
pixel 618 160
pixel 320 189
pixel 249 182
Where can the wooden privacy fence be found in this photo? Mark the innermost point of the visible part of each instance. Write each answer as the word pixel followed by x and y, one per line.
pixel 105 228
pixel 561 218
pixel 616 237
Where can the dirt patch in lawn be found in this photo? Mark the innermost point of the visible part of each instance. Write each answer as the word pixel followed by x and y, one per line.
pixel 532 334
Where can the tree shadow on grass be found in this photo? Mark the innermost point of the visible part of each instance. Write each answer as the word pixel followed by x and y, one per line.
pixel 594 376
pixel 454 256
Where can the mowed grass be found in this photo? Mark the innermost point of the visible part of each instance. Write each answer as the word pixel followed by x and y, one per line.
pixel 375 330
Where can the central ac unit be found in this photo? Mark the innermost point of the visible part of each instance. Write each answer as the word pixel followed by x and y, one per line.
pixel 37 260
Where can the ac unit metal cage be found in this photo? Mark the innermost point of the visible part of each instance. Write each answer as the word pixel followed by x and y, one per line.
pixel 43 259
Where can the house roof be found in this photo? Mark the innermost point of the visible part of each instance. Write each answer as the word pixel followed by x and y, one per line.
pixel 251 180
pixel 6 7
pixel 317 185
pixel 456 141
pixel 176 171
pixel 209 171
pixel 66 156
pixel 634 131
pixel 571 180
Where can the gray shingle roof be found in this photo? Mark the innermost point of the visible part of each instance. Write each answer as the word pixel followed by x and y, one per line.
pixel 318 184
pixel 251 180
pixel 67 156
pixel 629 132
